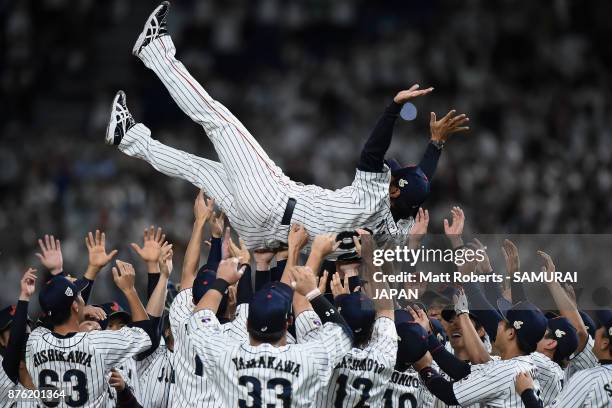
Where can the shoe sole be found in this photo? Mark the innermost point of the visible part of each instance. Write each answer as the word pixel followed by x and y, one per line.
pixel 143 33
pixel 109 139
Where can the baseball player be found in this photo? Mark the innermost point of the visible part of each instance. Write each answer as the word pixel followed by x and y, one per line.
pixel 591 387
pixel 155 372
pixel 76 363
pixel 492 384
pixel 266 371
pixel 382 197
pixel 193 387
pixel 404 389
pixel 13 320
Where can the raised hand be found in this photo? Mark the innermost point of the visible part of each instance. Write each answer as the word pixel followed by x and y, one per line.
pixel 460 302
pixel 28 284
pixel 51 256
pixel 151 248
pixel 217 222
pixel 298 237
pixel 228 270
pixel 337 287
pixel 124 276
pixel 263 258
pixel 322 281
pixel 420 317
pixel 408 94
pixel 96 247
pixel 483 266
pixel 165 260
pixel 454 229
pixel 325 244
pixel 549 265
pixel 94 313
pixel 511 256
pixel 203 208
pixel 304 280
pixel 242 252
pixel 449 124
pixel 419 228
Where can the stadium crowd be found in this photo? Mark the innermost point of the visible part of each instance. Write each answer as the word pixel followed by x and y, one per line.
pixel 308 78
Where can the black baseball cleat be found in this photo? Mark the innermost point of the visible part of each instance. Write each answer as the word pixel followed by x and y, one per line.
pixel 120 121
pixel 155 27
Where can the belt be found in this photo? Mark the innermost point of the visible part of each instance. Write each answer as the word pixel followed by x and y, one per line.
pixel 288 211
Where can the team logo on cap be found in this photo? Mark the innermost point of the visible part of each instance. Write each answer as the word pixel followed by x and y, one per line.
pixel 518 324
pixel 559 333
pixel 440 337
pixel 402 183
pixel 610 331
pixel 69 292
pixel 264 329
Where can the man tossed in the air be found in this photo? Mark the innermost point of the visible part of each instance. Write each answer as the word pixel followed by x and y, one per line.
pixel 259 200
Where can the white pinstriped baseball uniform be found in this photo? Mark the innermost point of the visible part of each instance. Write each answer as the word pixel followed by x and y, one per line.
pixel 247 185
pixel 264 375
pixel 6 384
pixel 492 384
pixel 588 388
pixel 78 363
pixel 361 377
pixel 127 370
pixel 156 377
pixel 111 400
pixel 191 384
pixel 550 377
pixel 581 361
pixel 405 390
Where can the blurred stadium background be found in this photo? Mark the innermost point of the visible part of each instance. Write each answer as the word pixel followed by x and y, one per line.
pixel 309 79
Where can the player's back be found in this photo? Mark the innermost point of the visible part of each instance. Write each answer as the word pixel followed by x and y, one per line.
pixel 361 377
pixel 77 363
pixel 192 387
pixel 492 384
pixel 405 390
pixel 550 377
pixel 364 203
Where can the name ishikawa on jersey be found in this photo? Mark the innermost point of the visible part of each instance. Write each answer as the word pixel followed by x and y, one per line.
pixel 156 377
pixel 492 384
pixel 581 361
pixel 550 377
pixel 361 377
pixel 589 388
pixel 264 375
pixel 405 390
pixel 191 385
pixel 79 362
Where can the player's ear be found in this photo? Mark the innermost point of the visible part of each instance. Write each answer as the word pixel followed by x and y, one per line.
pixel 394 191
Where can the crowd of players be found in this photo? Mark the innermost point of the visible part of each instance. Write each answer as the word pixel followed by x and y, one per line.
pixel 295 334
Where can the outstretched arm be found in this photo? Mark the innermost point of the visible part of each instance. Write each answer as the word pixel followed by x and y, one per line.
pixel 566 306
pixel 12 354
pixel 98 259
pixel 202 211
pixel 373 152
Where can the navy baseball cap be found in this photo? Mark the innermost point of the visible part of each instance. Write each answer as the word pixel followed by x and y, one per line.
pixel 588 322
pixel 115 311
pixel 566 336
pixel 412 340
pixel 358 311
pixel 204 279
pixel 604 319
pixel 448 314
pixel 528 321
pixel 438 330
pixel 58 294
pixel 269 309
pixel 412 182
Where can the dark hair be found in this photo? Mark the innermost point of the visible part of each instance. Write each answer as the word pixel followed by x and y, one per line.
pixel 59 318
pixel 266 337
pixel 525 348
pixel 360 340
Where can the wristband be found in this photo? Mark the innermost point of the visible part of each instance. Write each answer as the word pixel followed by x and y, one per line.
pixel 219 285
pixel 312 294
